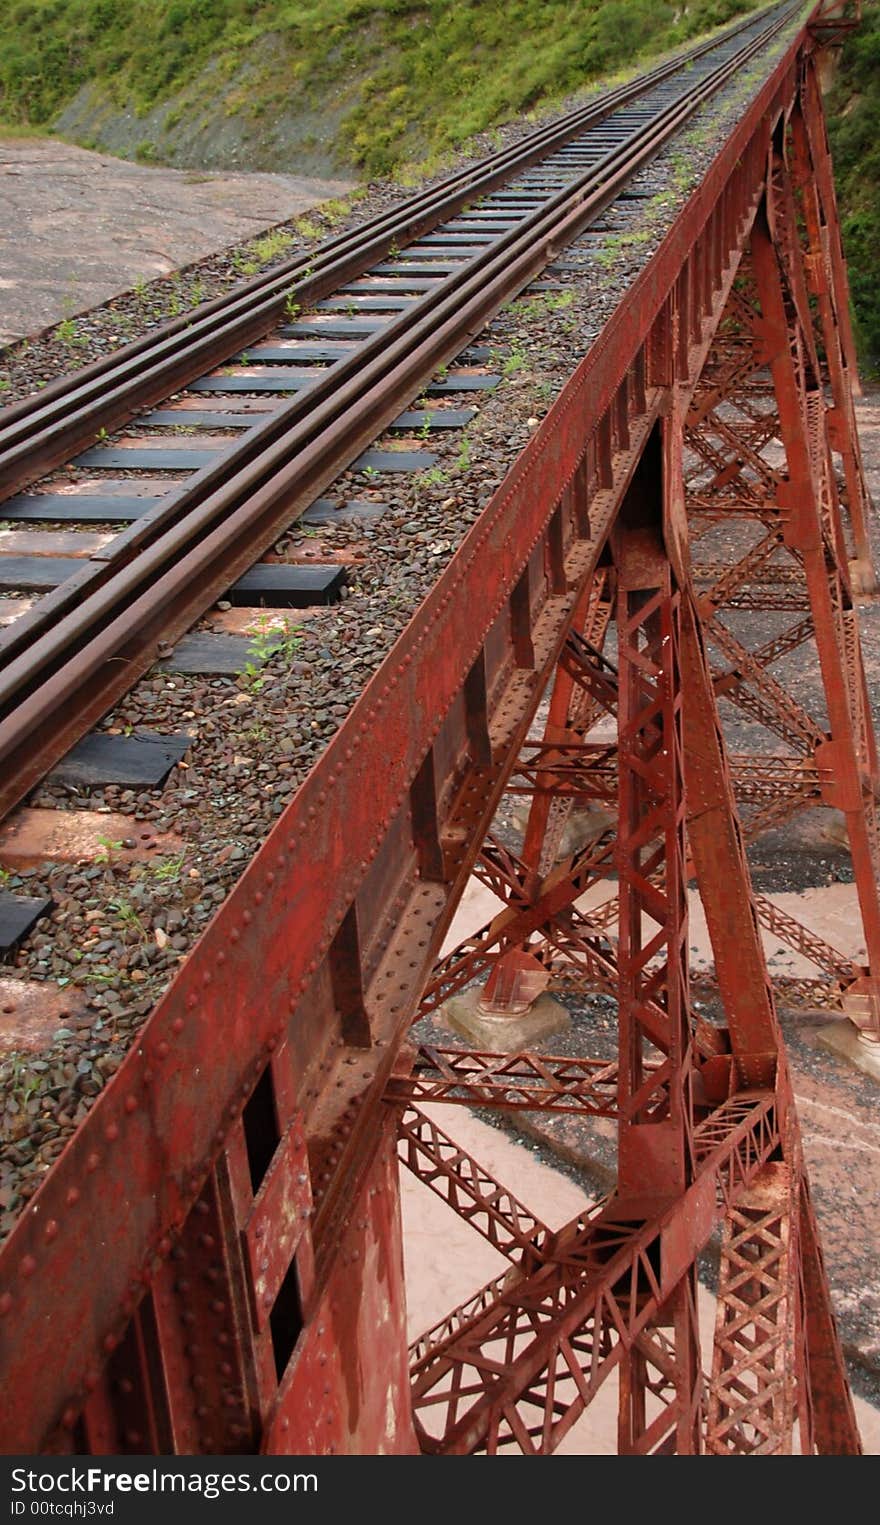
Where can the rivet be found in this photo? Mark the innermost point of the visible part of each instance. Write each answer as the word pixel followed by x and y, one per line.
pixel 28 1266
pixel 51 1229
pixel 130 1103
pixel 69 1418
pixel 221 958
pixel 164 1245
pixel 111 1132
pixel 5 1303
pixel 93 1161
pixel 234 935
pixel 177 1025
pixel 72 1196
pixel 247 918
pixel 192 1002
pixel 110 1343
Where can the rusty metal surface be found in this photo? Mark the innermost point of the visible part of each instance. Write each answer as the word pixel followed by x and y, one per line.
pixel 236 1179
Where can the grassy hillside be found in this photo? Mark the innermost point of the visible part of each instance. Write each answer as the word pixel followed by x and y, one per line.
pixel 854 124
pixel 388 80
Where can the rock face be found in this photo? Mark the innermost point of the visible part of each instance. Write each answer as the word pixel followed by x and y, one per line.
pixel 223 122
pixel 143 222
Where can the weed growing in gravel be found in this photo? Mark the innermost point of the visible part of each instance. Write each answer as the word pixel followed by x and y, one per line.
pixel 514 361
pixel 167 870
pixel 435 476
pixel 307 229
pixel 242 264
pixel 271 245
pixel 540 306
pixel 270 641
pixel 22 1082
pixel 107 846
pixel 292 308
pixel 66 332
pixel 334 211
pixel 129 917
pixel 463 459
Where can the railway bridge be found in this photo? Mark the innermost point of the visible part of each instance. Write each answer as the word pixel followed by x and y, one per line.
pixel 212 1261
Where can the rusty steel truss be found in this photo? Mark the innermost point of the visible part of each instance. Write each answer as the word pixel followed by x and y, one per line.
pixel 215 1263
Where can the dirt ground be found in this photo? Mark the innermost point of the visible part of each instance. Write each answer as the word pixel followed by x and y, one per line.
pixel 80 227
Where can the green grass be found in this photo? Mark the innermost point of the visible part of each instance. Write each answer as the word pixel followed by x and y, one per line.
pixel 854 127
pixel 413 77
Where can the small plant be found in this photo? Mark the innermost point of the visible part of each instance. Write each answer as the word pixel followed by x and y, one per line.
pixel 292 308
pixel 425 430
pixel 107 846
pixel 271 245
pixel 129 918
pixel 434 477
pixel 514 361
pixel 282 641
pixel 168 870
pixel 22 1082
pixel 463 459
pixel 370 472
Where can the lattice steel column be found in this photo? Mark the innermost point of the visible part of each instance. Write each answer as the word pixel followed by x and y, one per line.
pixel 655 1154
pixel 753 1389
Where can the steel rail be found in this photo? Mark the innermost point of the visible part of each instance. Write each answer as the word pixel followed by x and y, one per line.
pixel 71 673
pixel 41 431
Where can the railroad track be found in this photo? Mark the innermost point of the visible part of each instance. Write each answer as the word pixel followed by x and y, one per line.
pixel 428 278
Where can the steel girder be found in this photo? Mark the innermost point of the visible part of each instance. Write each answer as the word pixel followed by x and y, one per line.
pixel 197 1272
